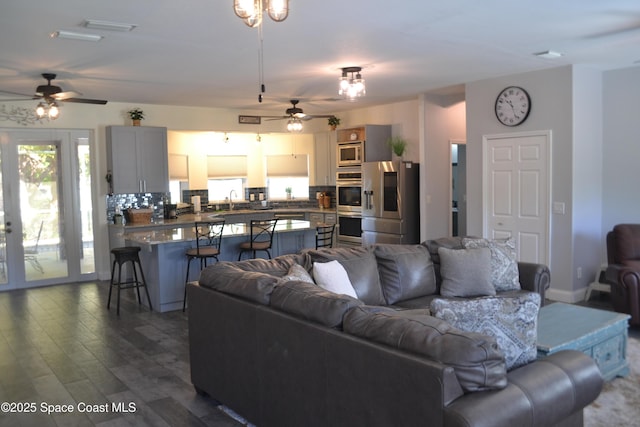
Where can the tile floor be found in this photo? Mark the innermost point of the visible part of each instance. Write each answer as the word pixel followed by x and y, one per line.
pixel 60 345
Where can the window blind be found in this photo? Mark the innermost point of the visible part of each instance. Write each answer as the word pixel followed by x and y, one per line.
pixel 178 167
pixel 288 165
pixel 226 166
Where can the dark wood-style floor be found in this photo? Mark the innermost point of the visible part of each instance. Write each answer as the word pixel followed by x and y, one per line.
pixel 60 345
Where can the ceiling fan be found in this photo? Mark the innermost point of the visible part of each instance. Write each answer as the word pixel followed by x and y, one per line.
pixel 296 113
pixel 50 93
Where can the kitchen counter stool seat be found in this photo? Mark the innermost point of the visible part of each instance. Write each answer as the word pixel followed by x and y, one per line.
pixel 123 255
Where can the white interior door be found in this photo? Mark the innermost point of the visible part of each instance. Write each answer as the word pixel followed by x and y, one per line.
pixel 516 191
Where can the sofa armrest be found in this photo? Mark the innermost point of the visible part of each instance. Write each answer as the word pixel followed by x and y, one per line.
pixel 625 290
pixel 535 278
pixel 542 393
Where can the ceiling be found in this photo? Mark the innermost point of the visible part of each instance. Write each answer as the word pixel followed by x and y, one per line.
pixel 198 53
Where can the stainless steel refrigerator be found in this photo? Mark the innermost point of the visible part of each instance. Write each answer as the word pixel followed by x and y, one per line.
pixel 390 202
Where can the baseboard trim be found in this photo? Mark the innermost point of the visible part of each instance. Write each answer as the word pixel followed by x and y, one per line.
pixel 566 296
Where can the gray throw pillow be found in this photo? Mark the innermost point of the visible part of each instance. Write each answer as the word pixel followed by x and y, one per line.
pixel 465 272
pixel 512 321
pixel 504 265
pixel 297 273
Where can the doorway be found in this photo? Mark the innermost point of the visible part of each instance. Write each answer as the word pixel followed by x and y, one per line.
pixel 458 188
pixel 45 208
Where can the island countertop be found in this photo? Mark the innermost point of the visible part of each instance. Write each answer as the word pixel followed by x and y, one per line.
pixel 186 233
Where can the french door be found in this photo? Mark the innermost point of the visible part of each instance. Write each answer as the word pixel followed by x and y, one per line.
pixel 45 208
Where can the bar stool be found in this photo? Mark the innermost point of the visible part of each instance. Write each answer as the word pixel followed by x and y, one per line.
pixel 324 235
pixel 208 242
pixel 261 237
pixel 122 256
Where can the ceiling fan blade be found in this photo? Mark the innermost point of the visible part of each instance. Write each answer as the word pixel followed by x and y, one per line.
pixel 61 96
pixel 17 93
pixel 15 99
pixel 85 101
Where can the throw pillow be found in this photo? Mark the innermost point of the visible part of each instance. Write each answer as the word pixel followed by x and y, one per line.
pixel 406 271
pixel 465 272
pixel 512 321
pixel 504 266
pixel 298 273
pixel 333 277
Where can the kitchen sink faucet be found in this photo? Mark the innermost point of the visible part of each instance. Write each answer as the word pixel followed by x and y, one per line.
pixel 231 193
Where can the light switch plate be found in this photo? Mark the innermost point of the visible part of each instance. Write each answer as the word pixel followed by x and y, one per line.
pixel 558 208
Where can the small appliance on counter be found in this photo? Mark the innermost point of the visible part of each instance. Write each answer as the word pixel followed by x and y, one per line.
pixel 170 211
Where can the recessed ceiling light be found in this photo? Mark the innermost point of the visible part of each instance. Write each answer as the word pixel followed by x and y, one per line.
pixel 548 54
pixel 108 25
pixel 72 35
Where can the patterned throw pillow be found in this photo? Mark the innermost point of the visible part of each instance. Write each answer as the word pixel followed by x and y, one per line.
pixel 504 266
pixel 297 272
pixel 512 321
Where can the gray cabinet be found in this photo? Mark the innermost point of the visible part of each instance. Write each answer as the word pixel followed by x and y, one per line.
pixel 137 157
pixel 325 157
pixel 316 218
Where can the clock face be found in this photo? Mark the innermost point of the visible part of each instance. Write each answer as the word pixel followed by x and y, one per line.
pixel 513 106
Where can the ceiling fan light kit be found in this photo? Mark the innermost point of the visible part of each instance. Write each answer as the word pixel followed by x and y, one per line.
pixel 351 83
pixel 250 11
pixel 294 125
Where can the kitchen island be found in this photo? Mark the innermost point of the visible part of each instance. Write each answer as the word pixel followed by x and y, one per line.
pixel 165 264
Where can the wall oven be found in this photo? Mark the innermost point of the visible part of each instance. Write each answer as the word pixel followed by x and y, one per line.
pixel 349 206
pixel 350 154
pixel 349 191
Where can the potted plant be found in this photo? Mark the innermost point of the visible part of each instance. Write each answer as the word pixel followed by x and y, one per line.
pixel 288 190
pixel 136 115
pixel 398 145
pixel 333 122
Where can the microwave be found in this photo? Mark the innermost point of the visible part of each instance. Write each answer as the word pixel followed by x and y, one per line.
pixel 350 154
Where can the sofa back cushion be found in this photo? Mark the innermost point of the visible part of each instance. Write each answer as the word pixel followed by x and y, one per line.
pixel 626 243
pixel 311 302
pixel 433 246
pixel 477 361
pixel 361 267
pixel 405 271
pixel 252 279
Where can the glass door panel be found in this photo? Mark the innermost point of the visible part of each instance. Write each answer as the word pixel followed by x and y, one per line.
pixel 87 260
pixel 41 211
pixel 4 274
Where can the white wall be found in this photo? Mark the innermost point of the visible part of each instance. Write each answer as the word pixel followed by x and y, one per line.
pixel 565 100
pixel 621 149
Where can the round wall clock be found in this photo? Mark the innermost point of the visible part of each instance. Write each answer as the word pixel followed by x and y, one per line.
pixel 513 106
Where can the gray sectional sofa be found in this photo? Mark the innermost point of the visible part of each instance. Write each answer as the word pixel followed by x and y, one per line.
pixel 281 351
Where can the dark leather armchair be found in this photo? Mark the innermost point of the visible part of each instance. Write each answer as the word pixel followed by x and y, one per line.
pixel 623 271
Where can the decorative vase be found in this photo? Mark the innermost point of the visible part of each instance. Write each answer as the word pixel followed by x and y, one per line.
pixel 288 196
pixel 136 122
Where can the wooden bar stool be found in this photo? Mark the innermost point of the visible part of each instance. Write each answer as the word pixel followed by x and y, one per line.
pixel 121 257
pixel 208 241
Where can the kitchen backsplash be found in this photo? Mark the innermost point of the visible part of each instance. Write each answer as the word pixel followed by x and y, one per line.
pixel 156 201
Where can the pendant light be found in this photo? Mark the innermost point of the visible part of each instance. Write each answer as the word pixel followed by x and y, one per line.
pixel 250 11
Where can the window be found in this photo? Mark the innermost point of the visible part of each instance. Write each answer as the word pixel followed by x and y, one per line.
pixel 226 174
pixel 288 171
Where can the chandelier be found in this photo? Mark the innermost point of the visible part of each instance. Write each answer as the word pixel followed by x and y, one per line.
pixel 351 83
pixel 250 11
pixel 294 125
pixel 49 109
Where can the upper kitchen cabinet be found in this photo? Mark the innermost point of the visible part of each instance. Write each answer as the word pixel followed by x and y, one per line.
pixel 137 157
pixel 325 157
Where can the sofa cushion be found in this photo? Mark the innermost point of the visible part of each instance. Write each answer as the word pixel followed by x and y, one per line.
pixel 361 266
pixel 465 272
pixel 332 277
pixel 311 302
pixel 504 266
pixel 405 271
pixel 476 359
pixel 512 321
